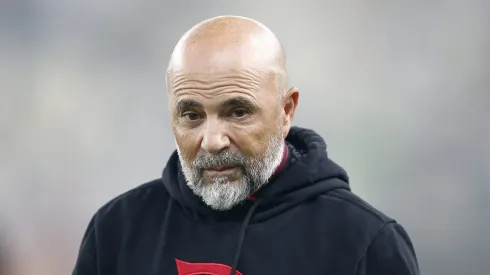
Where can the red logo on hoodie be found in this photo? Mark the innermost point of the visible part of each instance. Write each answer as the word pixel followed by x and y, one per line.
pixel 185 268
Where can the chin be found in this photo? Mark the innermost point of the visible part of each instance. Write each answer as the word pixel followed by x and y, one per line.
pixel 223 194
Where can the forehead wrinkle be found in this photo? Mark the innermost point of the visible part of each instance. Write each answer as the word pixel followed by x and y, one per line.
pixel 214 96
pixel 243 79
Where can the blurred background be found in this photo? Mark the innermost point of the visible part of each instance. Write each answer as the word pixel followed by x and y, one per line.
pixel 399 89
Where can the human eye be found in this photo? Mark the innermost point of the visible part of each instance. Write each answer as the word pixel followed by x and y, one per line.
pixel 191 116
pixel 239 113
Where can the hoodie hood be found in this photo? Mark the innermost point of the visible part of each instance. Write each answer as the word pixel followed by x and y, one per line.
pixel 311 175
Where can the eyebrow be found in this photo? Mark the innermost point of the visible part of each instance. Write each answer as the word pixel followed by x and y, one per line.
pixel 185 104
pixel 238 101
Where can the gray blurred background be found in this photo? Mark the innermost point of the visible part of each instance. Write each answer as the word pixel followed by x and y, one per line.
pixel 399 90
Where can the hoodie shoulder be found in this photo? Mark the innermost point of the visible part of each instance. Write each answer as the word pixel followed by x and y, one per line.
pixel 382 245
pixel 353 201
pixel 350 218
pixel 109 226
pixel 134 200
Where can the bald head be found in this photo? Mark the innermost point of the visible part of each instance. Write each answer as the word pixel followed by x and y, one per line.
pixel 228 43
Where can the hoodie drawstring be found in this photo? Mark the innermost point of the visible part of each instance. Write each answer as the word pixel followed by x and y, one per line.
pixel 241 237
pixel 163 237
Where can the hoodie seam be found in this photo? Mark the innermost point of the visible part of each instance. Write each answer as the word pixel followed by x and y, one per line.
pixel 370 244
pixel 361 206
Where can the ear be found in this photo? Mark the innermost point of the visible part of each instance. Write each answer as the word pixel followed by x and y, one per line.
pixel 290 101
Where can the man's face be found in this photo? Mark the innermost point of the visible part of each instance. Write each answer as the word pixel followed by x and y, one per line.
pixel 228 128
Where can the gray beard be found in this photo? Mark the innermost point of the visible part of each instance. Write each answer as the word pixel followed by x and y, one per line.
pixel 223 193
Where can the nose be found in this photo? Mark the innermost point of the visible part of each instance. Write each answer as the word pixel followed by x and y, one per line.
pixel 215 137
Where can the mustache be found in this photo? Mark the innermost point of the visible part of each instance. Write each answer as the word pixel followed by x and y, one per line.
pixel 205 160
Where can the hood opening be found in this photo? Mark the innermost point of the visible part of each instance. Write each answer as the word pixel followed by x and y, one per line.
pixel 312 174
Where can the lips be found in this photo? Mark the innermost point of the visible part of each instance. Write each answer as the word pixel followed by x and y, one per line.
pixel 221 168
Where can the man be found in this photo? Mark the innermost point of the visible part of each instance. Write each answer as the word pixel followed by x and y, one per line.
pixel 245 192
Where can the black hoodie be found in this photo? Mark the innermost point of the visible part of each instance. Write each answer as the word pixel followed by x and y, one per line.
pixel 304 221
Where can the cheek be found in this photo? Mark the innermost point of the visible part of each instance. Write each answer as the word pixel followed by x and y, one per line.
pixel 179 132
pixel 188 144
pixel 253 140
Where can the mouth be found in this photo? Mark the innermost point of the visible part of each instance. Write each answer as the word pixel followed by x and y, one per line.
pixel 221 168
pixel 221 171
